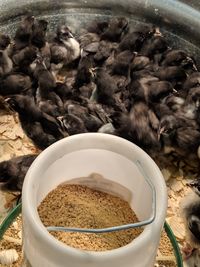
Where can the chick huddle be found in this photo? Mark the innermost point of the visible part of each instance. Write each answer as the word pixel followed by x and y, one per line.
pixel 117 78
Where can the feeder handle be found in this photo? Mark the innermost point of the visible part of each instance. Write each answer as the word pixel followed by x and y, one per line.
pixel 121 227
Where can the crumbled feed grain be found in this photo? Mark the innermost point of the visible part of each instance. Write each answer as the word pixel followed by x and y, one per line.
pixel 80 206
pixel 14 231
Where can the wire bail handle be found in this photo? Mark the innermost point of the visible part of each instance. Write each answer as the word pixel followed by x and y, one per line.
pixel 120 227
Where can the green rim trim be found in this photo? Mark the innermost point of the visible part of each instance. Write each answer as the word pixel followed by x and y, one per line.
pixel 175 245
pixel 10 219
pixel 17 210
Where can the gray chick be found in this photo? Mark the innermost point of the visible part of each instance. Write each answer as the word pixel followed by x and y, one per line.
pixel 13 171
pixel 65 48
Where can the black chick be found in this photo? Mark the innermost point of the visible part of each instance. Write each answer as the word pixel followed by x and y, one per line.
pixel 174 102
pixel 38 36
pixel 23 58
pixel 73 124
pixel 98 27
pixel 154 45
pixel 63 91
pixel 24 32
pixel 140 88
pixel 115 29
pixel 47 100
pixel 122 124
pixel 190 212
pixel 89 42
pixel 84 74
pixel 92 123
pixel 193 96
pixel 40 127
pixel 6 64
pixel 121 63
pixel 173 74
pixel 139 63
pixel 180 133
pixel 144 126
pixel 15 83
pixel 178 58
pixel 192 80
pixel 134 40
pixel 13 171
pixel 104 50
pixel 106 87
pixel 173 57
pixel 159 90
pixel 4 41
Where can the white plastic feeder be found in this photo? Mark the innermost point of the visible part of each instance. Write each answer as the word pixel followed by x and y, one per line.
pixel 122 163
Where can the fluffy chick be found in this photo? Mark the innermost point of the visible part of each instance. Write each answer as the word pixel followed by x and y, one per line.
pixel 13 171
pixel 38 36
pixel 104 50
pixel 172 74
pixel 180 133
pixel 6 64
pixel 115 29
pixel 23 58
pixel 122 62
pixel 4 41
pixel 84 73
pixel 65 48
pixel 73 124
pixel 144 126
pixel 24 32
pixel 47 100
pixel 39 126
pixel 15 83
pixel 106 87
pixel 134 39
pixel 98 27
pixel 154 45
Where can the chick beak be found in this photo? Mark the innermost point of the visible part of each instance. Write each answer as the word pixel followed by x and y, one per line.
pixel 192 184
pixel 93 72
pixel 160 132
pixel 60 119
pixel 7 99
pixel 197 103
pixel 71 35
pixel 174 90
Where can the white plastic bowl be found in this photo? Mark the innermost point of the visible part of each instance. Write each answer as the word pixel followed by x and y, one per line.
pixel 78 156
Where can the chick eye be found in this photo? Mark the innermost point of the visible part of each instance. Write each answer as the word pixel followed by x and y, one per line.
pixel 66 34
